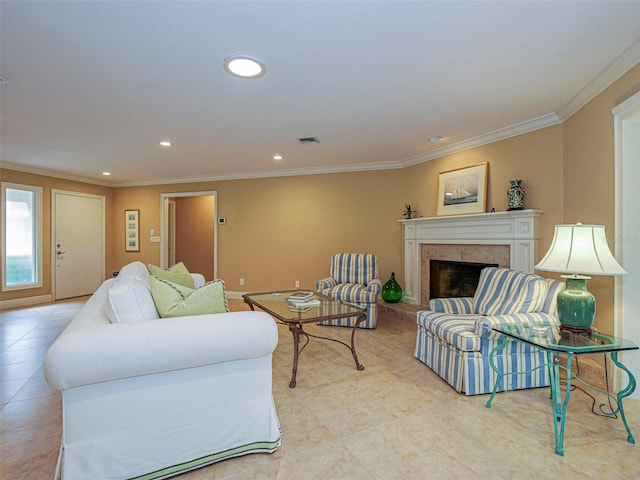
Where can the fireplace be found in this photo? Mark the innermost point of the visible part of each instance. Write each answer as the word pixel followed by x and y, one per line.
pixel 454 279
pixel 508 239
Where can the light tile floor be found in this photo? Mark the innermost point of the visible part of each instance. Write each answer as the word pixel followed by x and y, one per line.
pixel 394 420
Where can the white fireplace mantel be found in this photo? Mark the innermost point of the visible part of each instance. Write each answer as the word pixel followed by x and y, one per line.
pixel 517 228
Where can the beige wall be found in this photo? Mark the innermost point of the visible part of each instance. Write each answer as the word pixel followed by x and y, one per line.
pixel 48 184
pixel 535 157
pixel 588 187
pixel 284 229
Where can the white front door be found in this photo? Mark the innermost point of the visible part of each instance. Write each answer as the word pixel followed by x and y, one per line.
pixel 78 243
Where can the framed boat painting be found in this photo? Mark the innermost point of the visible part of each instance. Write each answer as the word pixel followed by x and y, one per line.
pixel 463 191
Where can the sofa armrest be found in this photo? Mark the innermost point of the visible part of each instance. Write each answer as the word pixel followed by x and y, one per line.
pixel 374 286
pixel 461 305
pixel 326 283
pixel 198 280
pixel 108 352
pixel 484 325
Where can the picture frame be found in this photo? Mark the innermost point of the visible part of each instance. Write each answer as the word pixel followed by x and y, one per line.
pixel 132 230
pixel 463 191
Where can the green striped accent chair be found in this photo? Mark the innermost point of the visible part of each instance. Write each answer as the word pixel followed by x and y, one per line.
pixel 353 279
pixel 455 335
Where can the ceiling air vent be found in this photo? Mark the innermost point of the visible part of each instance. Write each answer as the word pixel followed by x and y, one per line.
pixel 309 140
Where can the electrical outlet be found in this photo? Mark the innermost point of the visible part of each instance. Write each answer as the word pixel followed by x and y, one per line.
pixel 241 281
pixel 297 283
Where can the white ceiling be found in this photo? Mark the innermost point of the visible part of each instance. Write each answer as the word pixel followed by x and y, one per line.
pixel 95 86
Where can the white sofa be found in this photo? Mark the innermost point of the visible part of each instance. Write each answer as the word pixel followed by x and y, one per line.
pixel 148 397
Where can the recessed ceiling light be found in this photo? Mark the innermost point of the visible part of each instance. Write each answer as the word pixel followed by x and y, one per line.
pixel 106 174
pixel 244 67
pixel 277 156
pixel 165 143
pixel 434 138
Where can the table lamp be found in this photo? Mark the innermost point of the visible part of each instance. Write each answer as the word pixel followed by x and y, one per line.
pixel 579 250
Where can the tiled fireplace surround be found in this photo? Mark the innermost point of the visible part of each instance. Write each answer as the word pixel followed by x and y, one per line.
pixel 509 239
pixel 493 254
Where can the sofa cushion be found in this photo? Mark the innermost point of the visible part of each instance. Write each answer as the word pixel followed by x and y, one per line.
pixel 176 274
pixel 175 300
pixel 502 291
pixel 134 270
pixel 129 300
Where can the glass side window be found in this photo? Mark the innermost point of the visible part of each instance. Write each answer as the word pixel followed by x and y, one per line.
pixel 21 236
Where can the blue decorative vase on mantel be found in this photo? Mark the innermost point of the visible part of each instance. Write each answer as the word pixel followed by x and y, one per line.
pixel 392 291
pixel 516 195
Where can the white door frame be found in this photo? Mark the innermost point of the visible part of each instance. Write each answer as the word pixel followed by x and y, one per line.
pixel 171 231
pixel 102 199
pixel 164 209
pixel 626 151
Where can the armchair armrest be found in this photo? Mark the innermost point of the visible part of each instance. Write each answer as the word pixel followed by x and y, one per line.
pixel 461 306
pixel 326 283
pixel 375 286
pixel 484 325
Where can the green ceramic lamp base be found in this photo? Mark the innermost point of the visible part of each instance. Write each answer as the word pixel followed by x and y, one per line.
pixel 576 305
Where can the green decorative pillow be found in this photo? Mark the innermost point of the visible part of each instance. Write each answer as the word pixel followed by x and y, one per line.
pixel 176 274
pixel 175 300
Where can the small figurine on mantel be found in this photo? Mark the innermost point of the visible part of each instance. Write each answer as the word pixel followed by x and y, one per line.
pixel 408 212
pixel 516 195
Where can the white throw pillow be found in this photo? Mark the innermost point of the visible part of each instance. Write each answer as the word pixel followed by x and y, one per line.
pixel 129 300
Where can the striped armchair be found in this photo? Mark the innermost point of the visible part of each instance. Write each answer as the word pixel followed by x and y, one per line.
pixel 354 279
pixel 455 335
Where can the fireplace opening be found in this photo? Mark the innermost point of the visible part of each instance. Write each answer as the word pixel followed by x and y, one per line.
pixel 454 279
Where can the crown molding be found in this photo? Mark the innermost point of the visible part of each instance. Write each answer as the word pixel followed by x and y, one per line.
pixel 269 174
pixel 612 72
pixel 53 173
pixel 500 134
pixel 521 128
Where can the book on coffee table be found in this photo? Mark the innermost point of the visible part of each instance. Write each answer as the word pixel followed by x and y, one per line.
pixel 300 296
pixel 306 304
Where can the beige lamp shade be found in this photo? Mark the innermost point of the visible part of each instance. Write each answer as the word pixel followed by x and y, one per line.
pixel 580 249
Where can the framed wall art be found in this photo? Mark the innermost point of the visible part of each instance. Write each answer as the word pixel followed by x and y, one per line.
pixel 132 230
pixel 463 191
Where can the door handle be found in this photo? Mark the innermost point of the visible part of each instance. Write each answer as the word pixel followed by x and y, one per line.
pixel 60 253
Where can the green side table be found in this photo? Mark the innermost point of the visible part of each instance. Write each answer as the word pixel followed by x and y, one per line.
pixel 556 342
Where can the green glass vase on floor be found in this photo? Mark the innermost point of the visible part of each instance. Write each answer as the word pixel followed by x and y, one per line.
pixel 392 291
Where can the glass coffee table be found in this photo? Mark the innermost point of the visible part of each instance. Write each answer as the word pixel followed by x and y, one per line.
pixel 555 342
pixel 326 308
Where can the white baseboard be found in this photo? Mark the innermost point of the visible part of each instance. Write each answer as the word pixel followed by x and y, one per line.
pixel 235 295
pixel 25 302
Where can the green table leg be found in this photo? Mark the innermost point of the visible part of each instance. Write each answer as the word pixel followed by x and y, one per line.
pixel 559 405
pixel 501 344
pixel 625 392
